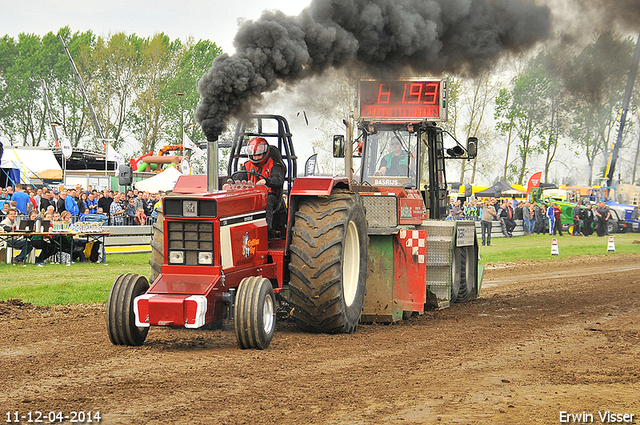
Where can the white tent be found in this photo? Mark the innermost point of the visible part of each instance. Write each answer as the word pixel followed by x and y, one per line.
pixel 164 181
pixel 32 162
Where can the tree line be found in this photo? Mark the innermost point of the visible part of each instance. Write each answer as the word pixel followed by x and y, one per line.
pixel 142 89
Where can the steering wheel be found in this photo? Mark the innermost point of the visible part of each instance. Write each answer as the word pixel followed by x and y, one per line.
pixel 247 172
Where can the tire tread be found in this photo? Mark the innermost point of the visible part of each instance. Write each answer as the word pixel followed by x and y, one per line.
pixel 248 313
pixel 318 236
pixel 120 318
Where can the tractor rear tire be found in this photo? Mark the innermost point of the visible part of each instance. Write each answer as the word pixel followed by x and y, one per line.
pixel 157 247
pixel 121 324
pixel 329 263
pixel 254 316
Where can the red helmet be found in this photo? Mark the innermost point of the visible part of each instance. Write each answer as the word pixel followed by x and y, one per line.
pixel 257 146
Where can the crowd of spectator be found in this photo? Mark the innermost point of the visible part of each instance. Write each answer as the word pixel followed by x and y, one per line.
pixel 107 206
pixel 540 218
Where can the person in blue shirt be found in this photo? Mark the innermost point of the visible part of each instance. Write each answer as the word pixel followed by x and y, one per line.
pixel 70 204
pixel 551 216
pixel 130 211
pixel 91 203
pixel 83 215
pixel 21 199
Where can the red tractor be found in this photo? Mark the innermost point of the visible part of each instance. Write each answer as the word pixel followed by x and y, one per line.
pixel 341 250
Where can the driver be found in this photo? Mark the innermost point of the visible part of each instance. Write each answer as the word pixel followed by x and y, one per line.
pixel 395 163
pixel 262 161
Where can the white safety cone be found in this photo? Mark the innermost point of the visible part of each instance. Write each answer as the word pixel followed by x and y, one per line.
pixel 554 247
pixel 612 245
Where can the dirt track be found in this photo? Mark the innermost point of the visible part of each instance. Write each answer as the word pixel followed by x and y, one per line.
pixel 530 347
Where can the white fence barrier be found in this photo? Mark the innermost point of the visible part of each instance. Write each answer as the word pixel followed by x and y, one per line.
pixel 128 239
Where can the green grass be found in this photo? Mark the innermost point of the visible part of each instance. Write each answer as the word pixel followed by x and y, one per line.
pixel 537 247
pixel 56 284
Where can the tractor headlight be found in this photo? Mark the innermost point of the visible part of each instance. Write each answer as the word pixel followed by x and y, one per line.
pixel 205 258
pixel 176 257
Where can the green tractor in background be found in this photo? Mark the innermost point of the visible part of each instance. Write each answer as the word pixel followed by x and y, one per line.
pixel 538 196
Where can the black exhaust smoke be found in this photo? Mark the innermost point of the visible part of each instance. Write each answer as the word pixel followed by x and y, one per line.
pixel 606 15
pixel 384 37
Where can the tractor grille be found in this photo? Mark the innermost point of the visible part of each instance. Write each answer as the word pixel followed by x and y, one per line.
pixel 192 237
pixel 382 211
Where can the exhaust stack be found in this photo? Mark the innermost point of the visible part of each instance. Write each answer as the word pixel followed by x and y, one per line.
pixel 212 164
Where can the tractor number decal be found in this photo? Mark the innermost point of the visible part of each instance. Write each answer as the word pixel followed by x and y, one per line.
pixel 465 236
pixel 249 245
pixel 386 182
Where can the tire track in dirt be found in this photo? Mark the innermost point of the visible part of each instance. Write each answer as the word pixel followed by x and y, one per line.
pixel 543 337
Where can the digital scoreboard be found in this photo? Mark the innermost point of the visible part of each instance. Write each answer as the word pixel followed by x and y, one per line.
pixel 408 99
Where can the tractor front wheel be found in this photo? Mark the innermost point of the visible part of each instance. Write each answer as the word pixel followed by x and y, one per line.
pixel 254 316
pixel 329 260
pixel 121 324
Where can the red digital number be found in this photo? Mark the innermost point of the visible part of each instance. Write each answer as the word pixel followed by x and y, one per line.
pixel 419 99
pixel 384 96
pixel 415 94
pixel 431 93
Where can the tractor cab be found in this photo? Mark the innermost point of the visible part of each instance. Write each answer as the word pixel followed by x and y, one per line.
pixel 401 147
pixel 390 158
pixel 406 158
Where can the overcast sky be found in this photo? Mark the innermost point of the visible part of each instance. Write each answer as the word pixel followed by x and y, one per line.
pixel 215 20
